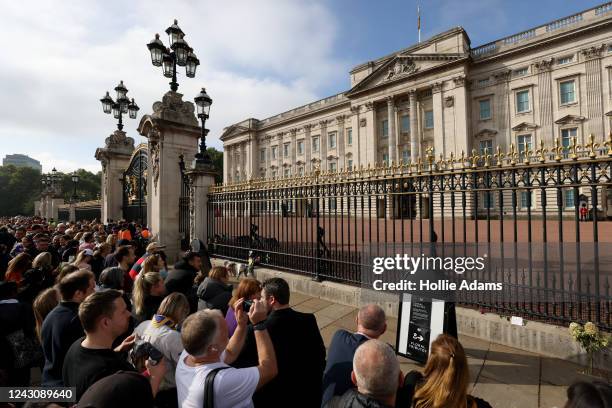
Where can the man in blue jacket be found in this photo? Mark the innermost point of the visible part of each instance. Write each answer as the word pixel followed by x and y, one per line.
pixel 371 324
pixel 62 326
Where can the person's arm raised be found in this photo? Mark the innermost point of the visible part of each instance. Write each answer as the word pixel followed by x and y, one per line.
pixel 268 368
pixel 236 342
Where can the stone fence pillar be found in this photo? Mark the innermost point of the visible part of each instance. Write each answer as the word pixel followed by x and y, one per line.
pixel 201 178
pixel 172 130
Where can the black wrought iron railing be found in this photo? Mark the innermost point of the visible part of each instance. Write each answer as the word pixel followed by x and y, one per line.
pixel 542 217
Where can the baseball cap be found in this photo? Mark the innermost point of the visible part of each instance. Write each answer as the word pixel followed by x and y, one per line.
pixel 154 246
pixel 88 252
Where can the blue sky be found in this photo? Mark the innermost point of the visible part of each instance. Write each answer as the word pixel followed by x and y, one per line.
pixel 258 58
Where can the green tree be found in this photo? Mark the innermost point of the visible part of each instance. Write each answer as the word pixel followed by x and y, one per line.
pixel 217 159
pixel 21 186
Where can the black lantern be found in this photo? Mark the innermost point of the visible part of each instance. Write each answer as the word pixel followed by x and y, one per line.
pixel 121 106
pixel 157 51
pixel 75 181
pixel 179 53
pixel 203 102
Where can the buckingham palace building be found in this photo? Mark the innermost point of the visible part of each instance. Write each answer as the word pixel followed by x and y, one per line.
pixel 548 84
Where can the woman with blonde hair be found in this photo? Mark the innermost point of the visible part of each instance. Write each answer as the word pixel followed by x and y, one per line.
pixel 214 292
pixel 17 267
pixel 162 332
pixel 83 259
pixel 43 304
pixel 248 289
pixel 147 295
pixel 444 381
pixel 64 270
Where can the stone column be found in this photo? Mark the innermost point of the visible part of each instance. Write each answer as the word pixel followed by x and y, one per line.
pixel 200 181
pixel 545 93
pixel 370 134
pixel 226 164
pixel 438 114
pixel 340 142
pixel 355 125
pixel 323 145
pixel 229 157
pixel 414 148
pixel 115 158
pixel 244 160
pixel 307 149
pixel 463 140
pixel 172 130
pixel 252 168
pixel 594 104
pixel 293 147
pixel 391 128
pixel 72 212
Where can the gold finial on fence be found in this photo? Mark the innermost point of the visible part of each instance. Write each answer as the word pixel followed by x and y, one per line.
pixel 574 147
pixel 592 146
pixel 463 159
pixel 474 158
pixel 558 150
pixel 450 163
pixel 419 165
pixel 527 154
pixel 608 144
pixel 499 156
pixel 487 160
pixel 430 156
pixel 512 155
pixel 441 163
pixel 541 152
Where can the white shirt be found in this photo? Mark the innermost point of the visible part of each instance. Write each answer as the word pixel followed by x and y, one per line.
pixel 233 387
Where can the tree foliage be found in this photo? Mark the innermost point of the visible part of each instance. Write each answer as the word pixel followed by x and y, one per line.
pixel 217 159
pixel 21 186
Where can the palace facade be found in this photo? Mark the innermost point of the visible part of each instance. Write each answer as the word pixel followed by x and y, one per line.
pixel 552 81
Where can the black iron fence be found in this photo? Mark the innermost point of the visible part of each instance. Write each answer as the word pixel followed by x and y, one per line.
pixel 544 216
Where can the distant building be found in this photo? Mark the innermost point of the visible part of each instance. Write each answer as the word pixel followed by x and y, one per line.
pixel 21 160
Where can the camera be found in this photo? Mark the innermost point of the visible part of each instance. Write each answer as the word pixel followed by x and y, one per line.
pixel 143 350
pixel 246 306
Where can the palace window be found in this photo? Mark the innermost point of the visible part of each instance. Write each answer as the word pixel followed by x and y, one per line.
pixel 485 109
pixel 300 147
pixel 526 199
pixel 521 72
pixel 488 200
pixel 384 128
pixel 273 174
pixel 262 155
pixel 568 198
pixel 565 60
pixel 406 156
pixel 405 124
pixel 349 136
pixel 429 120
pixel 522 101
pixel 315 144
pixel 286 149
pixel 331 136
pixel 567 92
pixel 524 144
pixel 332 166
pixel 385 158
pixel 566 139
pixel 287 172
pixel 274 148
pixel 486 147
pixel 349 164
pixel 301 170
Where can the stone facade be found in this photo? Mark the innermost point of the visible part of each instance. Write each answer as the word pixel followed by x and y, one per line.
pixel 553 81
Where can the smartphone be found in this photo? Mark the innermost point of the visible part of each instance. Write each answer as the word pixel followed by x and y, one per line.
pixel 246 305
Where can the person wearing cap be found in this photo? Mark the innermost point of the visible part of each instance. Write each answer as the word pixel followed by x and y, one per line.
pixel 152 248
pixel 83 259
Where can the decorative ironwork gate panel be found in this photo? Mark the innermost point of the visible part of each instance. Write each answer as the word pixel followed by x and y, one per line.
pixel 135 188
pixel 184 202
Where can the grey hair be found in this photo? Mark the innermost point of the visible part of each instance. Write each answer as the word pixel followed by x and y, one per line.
pixel 200 330
pixel 376 369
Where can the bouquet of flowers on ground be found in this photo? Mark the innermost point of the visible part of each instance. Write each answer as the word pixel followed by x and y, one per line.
pixel 590 339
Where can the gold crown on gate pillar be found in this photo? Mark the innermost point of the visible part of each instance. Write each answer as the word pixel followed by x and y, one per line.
pixel 542 156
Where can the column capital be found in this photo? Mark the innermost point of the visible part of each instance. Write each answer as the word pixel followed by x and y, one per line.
pixel 544 65
pixel 459 80
pixel 355 108
pixel 307 127
pixel 293 131
pixel 593 52
pixel 340 119
pixel 390 100
pixel 412 93
pixel 437 87
pixel 369 105
pixel 323 123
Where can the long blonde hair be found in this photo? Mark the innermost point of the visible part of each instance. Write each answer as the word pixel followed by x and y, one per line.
pixel 446 376
pixel 80 258
pixel 43 304
pixel 43 261
pixel 142 289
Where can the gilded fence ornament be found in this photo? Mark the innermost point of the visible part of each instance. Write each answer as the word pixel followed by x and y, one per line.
pixel 559 150
pixel 487 160
pixel 499 157
pixel 430 157
pixel 527 154
pixel 474 159
pixel 441 163
pixel 450 163
pixel 541 152
pixel 419 165
pixel 463 159
pixel 574 148
pixel 608 144
pixel 512 155
pixel 592 146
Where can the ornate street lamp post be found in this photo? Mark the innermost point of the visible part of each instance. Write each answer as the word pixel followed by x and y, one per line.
pixel 179 53
pixel 203 102
pixel 75 182
pixel 121 106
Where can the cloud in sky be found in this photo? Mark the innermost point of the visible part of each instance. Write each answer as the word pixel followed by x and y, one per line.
pixel 259 58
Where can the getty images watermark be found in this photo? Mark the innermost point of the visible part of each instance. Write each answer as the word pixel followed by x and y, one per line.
pixel 431 273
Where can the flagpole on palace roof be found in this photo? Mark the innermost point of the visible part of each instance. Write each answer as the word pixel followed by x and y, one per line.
pixel 419 21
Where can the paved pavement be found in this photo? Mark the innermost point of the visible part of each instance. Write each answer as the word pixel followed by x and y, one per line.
pixel 505 377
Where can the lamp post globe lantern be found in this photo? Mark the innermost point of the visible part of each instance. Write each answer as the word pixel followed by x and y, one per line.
pixel 121 106
pixel 179 54
pixel 203 102
pixel 75 182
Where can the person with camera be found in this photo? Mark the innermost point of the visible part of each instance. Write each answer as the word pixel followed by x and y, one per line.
pixel 162 334
pixel 203 373
pixel 104 317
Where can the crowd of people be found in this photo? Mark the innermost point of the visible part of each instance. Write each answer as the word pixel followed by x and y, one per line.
pixel 96 307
